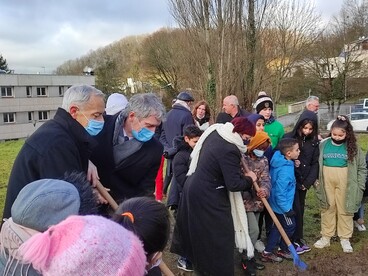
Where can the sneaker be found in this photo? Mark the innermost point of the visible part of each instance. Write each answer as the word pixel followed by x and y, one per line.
pixel 298 249
pixel 259 246
pixel 346 246
pixel 303 246
pixel 184 264
pixel 285 254
pixel 270 257
pixel 259 266
pixel 360 227
pixel 322 242
pixel 249 266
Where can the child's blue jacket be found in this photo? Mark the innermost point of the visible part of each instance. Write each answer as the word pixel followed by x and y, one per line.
pixel 283 183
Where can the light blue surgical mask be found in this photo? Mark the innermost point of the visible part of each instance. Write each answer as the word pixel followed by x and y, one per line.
pixel 143 135
pixel 258 153
pixel 93 127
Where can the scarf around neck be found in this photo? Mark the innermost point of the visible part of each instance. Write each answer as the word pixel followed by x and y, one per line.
pixel 122 150
pixel 226 132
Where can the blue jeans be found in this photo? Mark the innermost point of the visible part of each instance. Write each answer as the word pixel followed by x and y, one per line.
pixel 360 213
pixel 274 239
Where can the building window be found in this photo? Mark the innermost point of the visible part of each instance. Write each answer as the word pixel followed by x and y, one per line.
pixel 30 116
pixel 42 115
pixel 9 117
pixel 41 91
pixel 6 91
pixel 61 91
pixel 29 91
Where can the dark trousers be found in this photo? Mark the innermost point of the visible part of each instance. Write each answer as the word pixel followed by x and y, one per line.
pixel 264 216
pixel 168 175
pixel 174 194
pixel 298 207
pixel 274 238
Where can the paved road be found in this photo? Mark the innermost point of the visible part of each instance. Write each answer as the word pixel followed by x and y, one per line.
pixel 324 115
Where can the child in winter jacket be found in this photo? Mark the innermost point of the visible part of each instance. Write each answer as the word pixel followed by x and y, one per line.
pixel 281 198
pixel 306 170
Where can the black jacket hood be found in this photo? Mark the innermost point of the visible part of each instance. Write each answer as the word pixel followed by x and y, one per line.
pixel 306 115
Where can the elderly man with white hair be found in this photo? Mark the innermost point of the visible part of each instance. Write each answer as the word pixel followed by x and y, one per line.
pixel 60 145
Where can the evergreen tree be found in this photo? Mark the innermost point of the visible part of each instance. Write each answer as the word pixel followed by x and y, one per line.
pixel 3 63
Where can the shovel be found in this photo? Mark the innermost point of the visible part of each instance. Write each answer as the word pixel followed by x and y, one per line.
pixel 297 261
pixel 102 190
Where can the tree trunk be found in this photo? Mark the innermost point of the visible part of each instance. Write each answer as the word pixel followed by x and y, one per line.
pixel 251 50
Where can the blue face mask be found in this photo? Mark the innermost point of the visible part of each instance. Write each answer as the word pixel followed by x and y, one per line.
pixel 93 127
pixel 258 153
pixel 143 135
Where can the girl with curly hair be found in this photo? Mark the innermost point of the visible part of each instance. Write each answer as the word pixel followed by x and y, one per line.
pixel 341 183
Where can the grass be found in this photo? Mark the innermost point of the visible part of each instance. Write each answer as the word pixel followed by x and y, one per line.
pixel 282 108
pixel 9 151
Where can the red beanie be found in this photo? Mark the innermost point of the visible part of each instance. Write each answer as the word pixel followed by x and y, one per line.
pixel 243 126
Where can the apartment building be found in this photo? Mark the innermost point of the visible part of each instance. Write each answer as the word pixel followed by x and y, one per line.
pixel 27 101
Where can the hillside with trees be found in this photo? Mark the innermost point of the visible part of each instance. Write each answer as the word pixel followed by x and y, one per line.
pixel 236 47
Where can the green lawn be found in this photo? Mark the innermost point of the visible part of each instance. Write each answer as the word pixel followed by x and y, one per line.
pixel 8 152
pixel 282 109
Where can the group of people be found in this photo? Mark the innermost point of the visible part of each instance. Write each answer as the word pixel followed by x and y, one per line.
pixel 217 176
pixel 54 219
pixel 209 222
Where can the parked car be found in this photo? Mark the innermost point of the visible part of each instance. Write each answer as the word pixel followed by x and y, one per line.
pixel 360 106
pixel 359 121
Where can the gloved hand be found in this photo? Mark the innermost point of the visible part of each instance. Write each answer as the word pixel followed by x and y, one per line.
pixel 170 153
pixel 290 213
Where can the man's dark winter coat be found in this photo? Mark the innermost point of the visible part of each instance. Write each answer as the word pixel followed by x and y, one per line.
pixel 176 120
pixel 135 176
pixel 58 146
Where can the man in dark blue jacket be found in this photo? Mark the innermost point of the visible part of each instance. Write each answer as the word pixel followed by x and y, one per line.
pixel 177 119
pixel 60 145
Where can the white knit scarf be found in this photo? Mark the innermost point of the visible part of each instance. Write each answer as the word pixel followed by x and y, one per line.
pixel 242 239
pixel 226 132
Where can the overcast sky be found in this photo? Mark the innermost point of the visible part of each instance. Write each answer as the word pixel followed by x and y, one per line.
pixel 38 35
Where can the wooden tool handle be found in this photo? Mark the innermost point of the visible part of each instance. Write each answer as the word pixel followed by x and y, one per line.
pixel 269 209
pixel 102 190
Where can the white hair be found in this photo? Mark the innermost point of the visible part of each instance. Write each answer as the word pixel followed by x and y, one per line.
pixel 79 94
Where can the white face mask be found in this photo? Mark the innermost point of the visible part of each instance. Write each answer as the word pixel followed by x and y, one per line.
pixel 258 153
